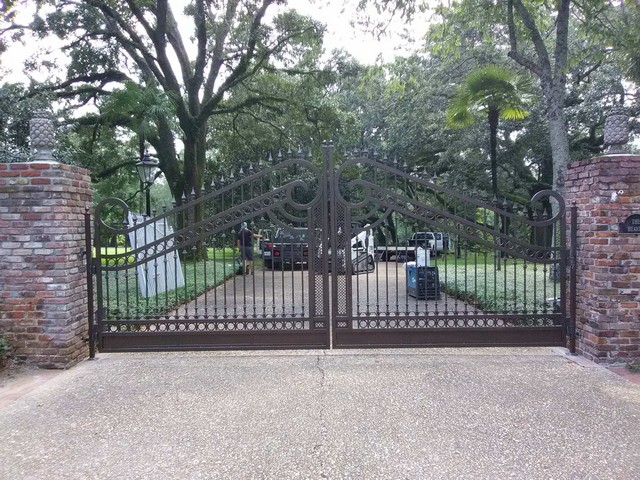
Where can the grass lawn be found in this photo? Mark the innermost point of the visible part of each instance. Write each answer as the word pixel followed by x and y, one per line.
pixel 518 287
pixel 123 298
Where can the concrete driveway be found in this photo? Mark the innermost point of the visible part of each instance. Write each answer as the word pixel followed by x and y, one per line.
pixel 416 413
pixel 287 293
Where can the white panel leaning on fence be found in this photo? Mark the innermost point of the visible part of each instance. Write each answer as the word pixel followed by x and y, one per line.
pixel 163 273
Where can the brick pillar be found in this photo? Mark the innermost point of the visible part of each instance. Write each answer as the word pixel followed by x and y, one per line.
pixel 608 290
pixel 43 295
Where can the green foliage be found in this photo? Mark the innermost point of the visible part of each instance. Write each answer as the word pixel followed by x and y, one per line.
pixel 122 293
pixel 516 287
pixel 4 349
pixel 16 110
pixel 490 88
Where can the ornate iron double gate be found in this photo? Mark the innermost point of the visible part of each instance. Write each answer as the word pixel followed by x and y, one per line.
pixel 491 273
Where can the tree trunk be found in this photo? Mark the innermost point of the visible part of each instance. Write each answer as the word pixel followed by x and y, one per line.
pixel 194 165
pixel 493 149
pixel 163 143
pixel 559 141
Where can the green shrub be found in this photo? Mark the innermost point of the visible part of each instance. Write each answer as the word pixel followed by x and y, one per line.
pixel 4 350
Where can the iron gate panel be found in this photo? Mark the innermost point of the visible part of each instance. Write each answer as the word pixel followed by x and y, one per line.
pixel 498 277
pixel 500 280
pixel 172 281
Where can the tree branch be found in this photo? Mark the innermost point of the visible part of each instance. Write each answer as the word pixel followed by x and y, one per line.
pixel 201 57
pixel 543 68
pixel 111 170
pixel 562 33
pixel 218 48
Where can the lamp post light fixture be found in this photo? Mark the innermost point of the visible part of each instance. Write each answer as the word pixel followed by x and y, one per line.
pixel 147 168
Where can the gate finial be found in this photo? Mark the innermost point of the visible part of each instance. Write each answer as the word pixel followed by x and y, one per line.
pixel 42 135
pixel 616 130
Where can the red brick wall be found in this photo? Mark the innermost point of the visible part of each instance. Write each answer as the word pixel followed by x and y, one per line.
pixel 43 295
pixel 608 291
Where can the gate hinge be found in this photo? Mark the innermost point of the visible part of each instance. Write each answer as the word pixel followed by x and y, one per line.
pixel 94 267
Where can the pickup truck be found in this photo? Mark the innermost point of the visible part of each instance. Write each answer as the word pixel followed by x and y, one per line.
pixel 432 241
pixel 289 246
pixel 427 240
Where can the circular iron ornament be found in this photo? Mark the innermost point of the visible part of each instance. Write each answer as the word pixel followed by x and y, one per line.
pixel 561 206
pixel 117 203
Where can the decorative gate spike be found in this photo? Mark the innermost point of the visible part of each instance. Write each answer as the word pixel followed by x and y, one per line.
pixel 250 167
pixel 222 180
pixel 193 193
pixel 299 151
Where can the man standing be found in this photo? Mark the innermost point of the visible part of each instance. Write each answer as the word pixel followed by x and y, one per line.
pixel 245 244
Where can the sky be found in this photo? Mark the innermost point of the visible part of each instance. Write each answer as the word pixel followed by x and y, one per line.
pixel 338 15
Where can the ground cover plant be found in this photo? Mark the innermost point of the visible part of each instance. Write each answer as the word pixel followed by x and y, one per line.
pixel 519 287
pixel 122 294
pixel 4 350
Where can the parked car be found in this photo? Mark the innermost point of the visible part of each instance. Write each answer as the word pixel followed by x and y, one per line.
pixel 289 246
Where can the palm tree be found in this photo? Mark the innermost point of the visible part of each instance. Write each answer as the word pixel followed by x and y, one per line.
pixel 495 92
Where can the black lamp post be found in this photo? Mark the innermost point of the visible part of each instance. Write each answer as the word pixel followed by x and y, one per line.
pixel 147 167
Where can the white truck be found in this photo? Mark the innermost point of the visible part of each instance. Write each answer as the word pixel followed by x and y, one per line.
pixel 361 253
pixel 434 242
